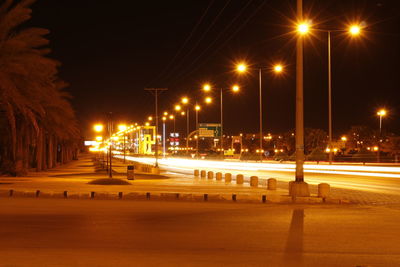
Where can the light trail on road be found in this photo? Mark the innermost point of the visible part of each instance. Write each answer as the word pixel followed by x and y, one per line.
pixel 190 164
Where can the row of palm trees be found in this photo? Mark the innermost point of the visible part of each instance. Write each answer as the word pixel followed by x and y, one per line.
pixel 38 128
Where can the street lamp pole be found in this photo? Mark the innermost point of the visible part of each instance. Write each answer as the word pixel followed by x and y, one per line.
pixel 156 92
pixel 222 127
pixel 197 129
pixel 187 130
pixel 299 187
pixel 261 130
pixel 330 98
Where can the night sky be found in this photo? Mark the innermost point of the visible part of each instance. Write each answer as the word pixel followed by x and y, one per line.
pixel 111 50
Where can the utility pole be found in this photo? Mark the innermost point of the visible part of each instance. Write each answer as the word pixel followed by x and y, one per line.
pixel 156 92
pixel 110 130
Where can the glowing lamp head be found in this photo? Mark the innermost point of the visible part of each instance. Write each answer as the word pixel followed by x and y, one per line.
pixel 122 127
pixel 207 87
pixel 354 30
pixel 382 113
pixel 197 107
pixel 165 113
pixel 178 107
pixel 185 100
pixel 241 67
pixel 150 118
pixel 344 138
pixel 208 100
pixel 147 124
pixel 171 117
pixel 278 68
pixel 183 113
pixel 303 28
pixel 235 88
pixel 98 128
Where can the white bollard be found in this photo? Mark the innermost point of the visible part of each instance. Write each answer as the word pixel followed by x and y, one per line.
pixel 254 181
pixel 228 177
pixel 239 179
pixel 271 184
pixel 324 190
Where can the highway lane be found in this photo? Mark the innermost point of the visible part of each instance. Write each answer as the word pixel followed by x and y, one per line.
pixel 377 179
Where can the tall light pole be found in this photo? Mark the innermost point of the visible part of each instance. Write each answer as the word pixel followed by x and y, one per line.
pixel 156 92
pixel 122 128
pixel 197 109
pixel 353 30
pixel 381 113
pixel 163 120
pixel 299 187
pixel 278 68
pixel 235 88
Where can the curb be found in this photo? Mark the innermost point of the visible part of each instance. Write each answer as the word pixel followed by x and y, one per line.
pixel 172 196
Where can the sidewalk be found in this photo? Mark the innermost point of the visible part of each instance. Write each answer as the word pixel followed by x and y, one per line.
pixel 74 177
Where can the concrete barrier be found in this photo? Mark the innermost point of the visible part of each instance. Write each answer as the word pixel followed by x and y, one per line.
pixel 210 175
pixel 239 179
pixel 271 184
pixel 254 181
pixel 324 190
pixel 196 173
pixel 202 173
pixel 155 170
pixel 218 176
pixel 228 178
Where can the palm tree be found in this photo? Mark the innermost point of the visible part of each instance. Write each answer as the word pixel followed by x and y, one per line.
pixel 36 113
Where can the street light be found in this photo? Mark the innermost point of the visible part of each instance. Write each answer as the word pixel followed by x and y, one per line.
pixel 122 128
pixel 278 68
pixel 207 87
pixel 150 118
pixel 235 88
pixel 163 120
pixel 353 30
pixel 208 100
pixel 381 113
pixel 303 28
pixel 185 101
pixel 98 128
pixel 197 109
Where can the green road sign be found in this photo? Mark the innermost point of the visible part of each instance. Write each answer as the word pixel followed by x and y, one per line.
pixel 209 129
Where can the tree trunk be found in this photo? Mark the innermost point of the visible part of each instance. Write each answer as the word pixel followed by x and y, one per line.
pixel 39 151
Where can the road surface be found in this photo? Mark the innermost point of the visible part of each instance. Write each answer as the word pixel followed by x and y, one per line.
pixel 381 183
pixel 58 232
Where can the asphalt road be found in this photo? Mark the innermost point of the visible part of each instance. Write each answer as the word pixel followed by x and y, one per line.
pixel 58 232
pixel 372 179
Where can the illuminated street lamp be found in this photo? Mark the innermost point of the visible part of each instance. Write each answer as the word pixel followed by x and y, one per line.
pixel 185 101
pixel 197 109
pixel 241 68
pixel 303 28
pixel 98 128
pixel 122 128
pixel 206 87
pixel 381 113
pixel 150 118
pixel 208 100
pixel 353 30
pixel 235 88
pixel 163 138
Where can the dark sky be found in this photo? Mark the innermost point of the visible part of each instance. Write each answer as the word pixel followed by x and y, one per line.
pixel 111 50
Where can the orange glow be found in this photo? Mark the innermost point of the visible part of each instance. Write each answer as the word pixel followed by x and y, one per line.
pixel 98 128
